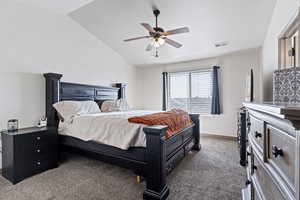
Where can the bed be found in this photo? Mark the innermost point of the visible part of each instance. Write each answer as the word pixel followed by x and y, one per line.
pixel 153 162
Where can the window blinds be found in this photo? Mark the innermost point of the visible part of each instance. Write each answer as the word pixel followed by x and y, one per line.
pixel 190 91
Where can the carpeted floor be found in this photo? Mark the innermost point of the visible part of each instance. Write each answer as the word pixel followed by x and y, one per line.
pixel 213 173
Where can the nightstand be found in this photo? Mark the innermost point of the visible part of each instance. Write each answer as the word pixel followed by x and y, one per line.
pixel 28 151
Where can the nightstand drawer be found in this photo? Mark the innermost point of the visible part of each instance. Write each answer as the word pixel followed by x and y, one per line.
pixel 41 165
pixel 36 144
pixel 44 151
pixel 33 166
pixel 42 139
pixel 281 153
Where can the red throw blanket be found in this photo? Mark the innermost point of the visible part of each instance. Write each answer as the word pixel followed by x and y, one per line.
pixel 176 120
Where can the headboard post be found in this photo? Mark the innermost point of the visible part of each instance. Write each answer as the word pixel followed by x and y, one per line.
pixel 122 90
pixel 52 96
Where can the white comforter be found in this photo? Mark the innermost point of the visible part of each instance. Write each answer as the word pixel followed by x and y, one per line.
pixel 110 128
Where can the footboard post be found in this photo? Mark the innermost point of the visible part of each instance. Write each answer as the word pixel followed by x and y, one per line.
pixel 156 187
pixel 196 130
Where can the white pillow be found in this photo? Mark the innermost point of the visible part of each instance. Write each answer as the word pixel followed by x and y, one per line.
pixel 115 105
pixel 68 109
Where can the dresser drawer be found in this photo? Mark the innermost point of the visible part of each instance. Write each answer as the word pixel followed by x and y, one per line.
pixel 264 183
pixel 256 196
pixel 281 153
pixel 246 193
pixel 257 132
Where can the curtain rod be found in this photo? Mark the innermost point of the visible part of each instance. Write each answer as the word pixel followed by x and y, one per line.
pixel 192 70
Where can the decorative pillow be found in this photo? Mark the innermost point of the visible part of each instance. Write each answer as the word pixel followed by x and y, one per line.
pixel 107 105
pixel 68 109
pixel 115 105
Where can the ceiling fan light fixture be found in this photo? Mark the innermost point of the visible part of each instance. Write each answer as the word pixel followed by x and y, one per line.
pixel 158 36
pixel 158 42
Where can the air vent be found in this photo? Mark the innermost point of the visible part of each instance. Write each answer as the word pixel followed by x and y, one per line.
pixel 221 44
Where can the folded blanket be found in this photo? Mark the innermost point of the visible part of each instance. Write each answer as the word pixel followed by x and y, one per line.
pixel 176 120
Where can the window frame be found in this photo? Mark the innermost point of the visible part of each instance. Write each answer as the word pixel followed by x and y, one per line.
pixel 190 72
pixel 290 32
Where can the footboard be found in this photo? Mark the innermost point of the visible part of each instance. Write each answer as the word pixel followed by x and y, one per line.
pixel 162 155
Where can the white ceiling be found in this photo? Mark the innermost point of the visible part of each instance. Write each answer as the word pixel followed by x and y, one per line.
pixel 242 23
pixel 59 6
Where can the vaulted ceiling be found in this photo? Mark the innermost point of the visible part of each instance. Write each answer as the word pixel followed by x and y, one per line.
pixel 241 23
pixel 59 6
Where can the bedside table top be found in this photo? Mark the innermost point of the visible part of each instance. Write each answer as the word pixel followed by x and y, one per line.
pixel 28 130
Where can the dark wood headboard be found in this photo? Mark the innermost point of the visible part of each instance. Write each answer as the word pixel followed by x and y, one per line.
pixel 62 91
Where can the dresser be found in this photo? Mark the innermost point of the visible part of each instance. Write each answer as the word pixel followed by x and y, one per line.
pixel 28 151
pixel 273 153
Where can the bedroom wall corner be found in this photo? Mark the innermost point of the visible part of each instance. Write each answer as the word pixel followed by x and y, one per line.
pixel 36 41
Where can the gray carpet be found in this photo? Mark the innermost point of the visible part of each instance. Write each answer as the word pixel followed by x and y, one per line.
pixel 213 173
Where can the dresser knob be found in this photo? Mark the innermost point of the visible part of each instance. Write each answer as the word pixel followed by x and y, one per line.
pixel 258 134
pixel 38 138
pixel 277 151
pixel 38 163
pixel 38 151
pixel 248 182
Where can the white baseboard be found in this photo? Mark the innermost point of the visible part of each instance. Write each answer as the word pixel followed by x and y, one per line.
pixel 211 135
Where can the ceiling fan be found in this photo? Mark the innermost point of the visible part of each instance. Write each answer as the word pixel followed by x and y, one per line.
pixel 158 36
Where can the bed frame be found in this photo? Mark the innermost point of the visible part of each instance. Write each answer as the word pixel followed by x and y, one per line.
pixel 153 162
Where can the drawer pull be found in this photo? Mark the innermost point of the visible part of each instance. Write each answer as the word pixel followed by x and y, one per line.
pixel 277 151
pixel 38 163
pixel 38 138
pixel 38 151
pixel 258 134
pixel 248 182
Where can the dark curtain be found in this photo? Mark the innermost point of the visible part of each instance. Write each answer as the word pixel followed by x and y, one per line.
pixel 165 87
pixel 215 106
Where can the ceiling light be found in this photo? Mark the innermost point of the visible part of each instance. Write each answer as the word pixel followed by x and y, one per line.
pixel 157 42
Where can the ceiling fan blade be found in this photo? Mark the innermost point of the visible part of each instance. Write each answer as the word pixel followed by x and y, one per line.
pixel 149 47
pixel 137 38
pixel 177 31
pixel 148 27
pixel 173 43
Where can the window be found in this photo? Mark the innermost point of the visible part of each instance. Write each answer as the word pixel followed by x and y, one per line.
pixel 190 91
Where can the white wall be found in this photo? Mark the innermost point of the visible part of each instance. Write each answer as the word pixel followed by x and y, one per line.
pixel 283 13
pixel 34 41
pixel 234 69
